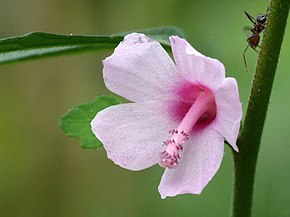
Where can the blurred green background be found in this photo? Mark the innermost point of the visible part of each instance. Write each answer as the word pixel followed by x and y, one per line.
pixel 44 173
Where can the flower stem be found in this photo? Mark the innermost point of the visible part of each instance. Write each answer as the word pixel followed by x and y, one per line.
pixel 250 136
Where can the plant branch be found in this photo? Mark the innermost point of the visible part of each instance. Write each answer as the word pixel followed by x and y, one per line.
pixel 250 136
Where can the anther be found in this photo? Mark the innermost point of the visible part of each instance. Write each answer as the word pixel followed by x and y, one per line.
pixel 170 156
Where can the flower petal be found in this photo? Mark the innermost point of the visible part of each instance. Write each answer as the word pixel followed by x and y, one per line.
pixel 140 70
pixel 196 67
pixel 200 160
pixel 229 111
pixel 133 133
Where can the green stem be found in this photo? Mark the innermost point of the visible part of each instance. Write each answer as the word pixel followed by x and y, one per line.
pixel 249 139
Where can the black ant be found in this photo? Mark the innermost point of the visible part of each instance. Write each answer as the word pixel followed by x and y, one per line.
pixel 258 27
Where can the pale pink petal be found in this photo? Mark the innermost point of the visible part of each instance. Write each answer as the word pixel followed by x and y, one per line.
pixel 229 111
pixel 196 67
pixel 140 70
pixel 200 160
pixel 133 133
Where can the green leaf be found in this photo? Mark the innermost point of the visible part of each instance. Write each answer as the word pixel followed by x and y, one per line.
pixel 39 44
pixel 76 122
pixel 160 34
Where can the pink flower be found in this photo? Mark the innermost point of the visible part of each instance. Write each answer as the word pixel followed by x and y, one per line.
pixel 191 99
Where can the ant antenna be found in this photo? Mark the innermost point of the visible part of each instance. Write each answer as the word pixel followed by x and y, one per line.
pixel 252 19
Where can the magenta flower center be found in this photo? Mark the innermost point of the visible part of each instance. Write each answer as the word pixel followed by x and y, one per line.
pixel 196 116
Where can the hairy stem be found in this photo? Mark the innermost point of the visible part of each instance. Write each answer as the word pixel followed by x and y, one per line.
pixel 250 136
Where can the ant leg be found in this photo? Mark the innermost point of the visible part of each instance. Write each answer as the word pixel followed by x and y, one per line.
pixel 244 56
pixel 259 48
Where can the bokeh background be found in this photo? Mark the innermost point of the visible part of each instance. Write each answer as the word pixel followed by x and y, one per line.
pixel 45 173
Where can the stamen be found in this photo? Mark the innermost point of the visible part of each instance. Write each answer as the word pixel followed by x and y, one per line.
pixel 201 110
pixel 170 156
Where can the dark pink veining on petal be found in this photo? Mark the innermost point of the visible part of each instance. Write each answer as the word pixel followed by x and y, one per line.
pixel 187 93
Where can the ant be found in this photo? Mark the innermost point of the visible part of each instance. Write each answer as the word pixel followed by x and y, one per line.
pixel 258 27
